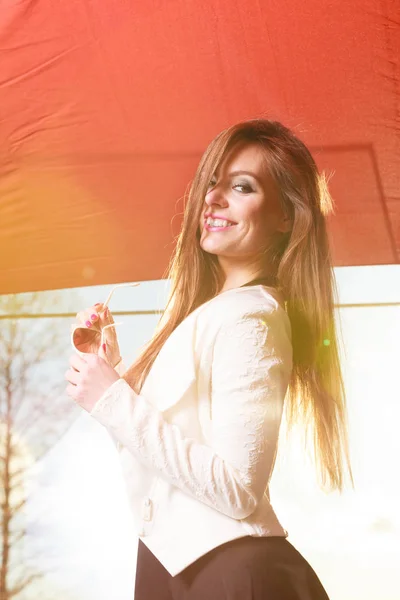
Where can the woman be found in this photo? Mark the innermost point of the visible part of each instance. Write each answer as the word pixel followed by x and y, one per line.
pixel 248 325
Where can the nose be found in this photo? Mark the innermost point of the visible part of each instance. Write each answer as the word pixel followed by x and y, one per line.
pixel 216 197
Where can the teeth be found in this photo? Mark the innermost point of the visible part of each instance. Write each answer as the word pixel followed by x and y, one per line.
pixel 218 222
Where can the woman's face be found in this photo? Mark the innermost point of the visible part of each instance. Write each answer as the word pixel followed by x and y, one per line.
pixel 242 193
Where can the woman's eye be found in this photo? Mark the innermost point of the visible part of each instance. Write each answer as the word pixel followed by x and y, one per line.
pixel 211 184
pixel 246 188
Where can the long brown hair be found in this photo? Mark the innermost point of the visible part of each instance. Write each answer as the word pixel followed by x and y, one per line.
pixel 301 261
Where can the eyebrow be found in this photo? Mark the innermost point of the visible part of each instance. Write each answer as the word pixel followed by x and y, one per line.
pixel 241 172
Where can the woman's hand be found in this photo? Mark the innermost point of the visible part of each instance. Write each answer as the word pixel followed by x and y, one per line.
pixel 87 334
pixel 89 377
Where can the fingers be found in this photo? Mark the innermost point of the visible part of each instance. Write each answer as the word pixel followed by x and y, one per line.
pixel 95 316
pixel 73 377
pixel 72 391
pixel 77 362
pixel 103 351
pixel 88 317
pixel 106 317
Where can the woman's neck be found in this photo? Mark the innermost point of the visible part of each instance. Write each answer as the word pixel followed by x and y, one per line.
pixel 245 280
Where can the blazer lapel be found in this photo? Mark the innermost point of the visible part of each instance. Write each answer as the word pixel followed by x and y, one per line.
pixel 173 371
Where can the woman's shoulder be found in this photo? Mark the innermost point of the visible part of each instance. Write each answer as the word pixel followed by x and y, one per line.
pixel 257 297
pixel 248 314
pixel 243 302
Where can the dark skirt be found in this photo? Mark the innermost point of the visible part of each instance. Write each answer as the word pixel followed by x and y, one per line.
pixel 249 568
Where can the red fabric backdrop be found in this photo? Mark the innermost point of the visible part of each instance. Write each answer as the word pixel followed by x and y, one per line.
pixel 106 108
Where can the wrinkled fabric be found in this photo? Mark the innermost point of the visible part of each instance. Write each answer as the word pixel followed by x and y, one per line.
pixel 245 569
pixel 197 468
pixel 106 108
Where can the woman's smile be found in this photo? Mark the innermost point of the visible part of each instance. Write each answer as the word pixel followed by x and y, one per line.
pixel 218 227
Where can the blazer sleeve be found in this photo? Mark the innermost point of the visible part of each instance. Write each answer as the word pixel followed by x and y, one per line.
pixel 120 369
pixel 248 386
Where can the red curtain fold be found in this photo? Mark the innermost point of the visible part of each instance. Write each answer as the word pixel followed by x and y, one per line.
pixel 106 108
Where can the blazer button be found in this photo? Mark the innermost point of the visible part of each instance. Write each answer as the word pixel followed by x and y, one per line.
pixel 147 509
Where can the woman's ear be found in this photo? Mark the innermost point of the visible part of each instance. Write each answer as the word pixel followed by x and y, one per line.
pixel 284 225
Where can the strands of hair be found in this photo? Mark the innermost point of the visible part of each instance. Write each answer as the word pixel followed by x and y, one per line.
pixel 302 263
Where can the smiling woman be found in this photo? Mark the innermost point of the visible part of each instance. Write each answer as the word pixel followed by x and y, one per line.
pixel 242 201
pixel 244 335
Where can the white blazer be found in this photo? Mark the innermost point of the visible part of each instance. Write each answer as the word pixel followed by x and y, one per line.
pixel 198 445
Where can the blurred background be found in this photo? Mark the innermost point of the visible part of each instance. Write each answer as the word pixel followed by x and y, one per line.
pixel 71 529
pixel 105 111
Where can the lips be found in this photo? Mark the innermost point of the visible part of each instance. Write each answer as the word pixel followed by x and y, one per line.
pixel 218 217
pixel 218 228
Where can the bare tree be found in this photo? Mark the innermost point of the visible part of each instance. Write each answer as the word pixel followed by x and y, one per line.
pixel 34 413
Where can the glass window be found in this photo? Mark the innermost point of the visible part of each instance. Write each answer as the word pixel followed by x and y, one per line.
pixel 79 531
